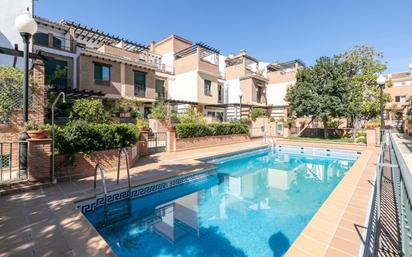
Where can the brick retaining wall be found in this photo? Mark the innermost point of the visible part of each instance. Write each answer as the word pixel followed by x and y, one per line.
pixel 198 142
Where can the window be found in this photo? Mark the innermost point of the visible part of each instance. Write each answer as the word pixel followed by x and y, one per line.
pixel 41 39
pixel 259 92
pixel 140 84
pixel 160 88
pixel 57 43
pixel 400 99
pixel 101 73
pixel 208 87
pixel 220 94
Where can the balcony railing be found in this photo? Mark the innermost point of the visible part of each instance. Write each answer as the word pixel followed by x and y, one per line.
pixel 60 43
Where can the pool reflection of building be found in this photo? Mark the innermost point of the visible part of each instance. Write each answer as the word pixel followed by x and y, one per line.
pixel 245 189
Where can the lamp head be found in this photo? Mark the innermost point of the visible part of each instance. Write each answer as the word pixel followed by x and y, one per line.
pixel 381 80
pixel 240 93
pixel 25 23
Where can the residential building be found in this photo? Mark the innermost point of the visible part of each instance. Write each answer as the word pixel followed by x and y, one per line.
pixel 196 78
pixel 245 85
pixel 400 91
pixel 281 76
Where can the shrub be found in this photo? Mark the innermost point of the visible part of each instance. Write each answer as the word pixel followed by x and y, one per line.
pixel 256 113
pixel 142 124
pixel 90 110
pixel 189 130
pixel 81 136
pixel 192 116
pixel 159 111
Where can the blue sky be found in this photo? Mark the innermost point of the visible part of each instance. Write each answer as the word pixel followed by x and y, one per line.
pixel 268 30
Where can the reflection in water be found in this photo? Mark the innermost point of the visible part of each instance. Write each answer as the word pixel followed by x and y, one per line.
pixel 255 206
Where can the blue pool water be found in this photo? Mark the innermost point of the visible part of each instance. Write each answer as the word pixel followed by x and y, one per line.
pixel 255 205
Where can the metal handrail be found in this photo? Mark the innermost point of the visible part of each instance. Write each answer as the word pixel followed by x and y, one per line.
pixel 403 191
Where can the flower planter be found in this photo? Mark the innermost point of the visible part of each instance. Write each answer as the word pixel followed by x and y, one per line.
pixel 38 134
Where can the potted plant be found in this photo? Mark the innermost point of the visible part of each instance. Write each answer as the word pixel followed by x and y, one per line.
pixel 142 125
pixel 36 131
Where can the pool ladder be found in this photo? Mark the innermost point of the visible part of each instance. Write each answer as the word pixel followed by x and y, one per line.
pixel 272 140
pixel 120 211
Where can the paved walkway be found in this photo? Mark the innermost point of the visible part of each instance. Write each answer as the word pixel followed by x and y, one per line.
pixel 404 143
pixel 44 222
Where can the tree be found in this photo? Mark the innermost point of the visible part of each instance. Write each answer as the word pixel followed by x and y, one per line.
pixel 192 115
pixel 364 95
pixel 89 110
pixel 321 91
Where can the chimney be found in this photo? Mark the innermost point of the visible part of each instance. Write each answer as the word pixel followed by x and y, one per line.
pixel 242 52
pixel 231 56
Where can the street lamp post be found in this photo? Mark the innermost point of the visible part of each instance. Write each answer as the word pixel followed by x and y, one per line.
pixel 26 26
pixel 381 80
pixel 240 105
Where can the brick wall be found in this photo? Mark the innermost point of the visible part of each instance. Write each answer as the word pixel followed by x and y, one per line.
pixel 38 159
pixel 83 165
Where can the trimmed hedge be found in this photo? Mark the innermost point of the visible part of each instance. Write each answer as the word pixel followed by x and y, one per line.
pixel 80 136
pixel 189 130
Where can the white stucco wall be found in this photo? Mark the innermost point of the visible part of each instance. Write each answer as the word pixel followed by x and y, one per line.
pixel 232 90
pixel 277 92
pixel 9 10
pixel 184 87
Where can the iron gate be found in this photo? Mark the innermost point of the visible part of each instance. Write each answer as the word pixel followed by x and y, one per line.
pixel 10 168
pixel 156 142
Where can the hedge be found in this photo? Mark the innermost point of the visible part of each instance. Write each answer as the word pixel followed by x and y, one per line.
pixel 80 136
pixel 188 130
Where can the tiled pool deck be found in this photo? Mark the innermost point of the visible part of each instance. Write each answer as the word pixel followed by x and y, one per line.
pixel 44 222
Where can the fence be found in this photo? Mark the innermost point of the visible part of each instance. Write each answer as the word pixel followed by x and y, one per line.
pixel 402 179
pixel 10 169
pixel 402 186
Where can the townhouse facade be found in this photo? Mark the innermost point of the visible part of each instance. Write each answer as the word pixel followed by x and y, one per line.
pixel 79 59
pixel 281 76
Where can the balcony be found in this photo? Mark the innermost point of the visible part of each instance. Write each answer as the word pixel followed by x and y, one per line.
pixel 198 56
pixel 54 42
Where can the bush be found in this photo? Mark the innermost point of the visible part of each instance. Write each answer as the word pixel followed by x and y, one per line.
pixel 192 116
pixel 256 113
pixel 189 130
pixel 90 110
pixel 159 111
pixel 81 136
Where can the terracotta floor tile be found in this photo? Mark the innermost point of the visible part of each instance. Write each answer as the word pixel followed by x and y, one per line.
pixel 332 252
pixel 345 246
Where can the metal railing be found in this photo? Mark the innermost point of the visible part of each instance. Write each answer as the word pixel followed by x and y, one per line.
pixel 10 168
pixel 402 188
pixel 372 238
pixel 402 179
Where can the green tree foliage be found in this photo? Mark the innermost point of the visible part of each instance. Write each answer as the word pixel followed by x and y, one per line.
pixel 321 91
pixel 90 110
pixel 364 94
pixel 192 115
pixel 256 113
pixel 11 91
pixel 159 111
pixel 129 105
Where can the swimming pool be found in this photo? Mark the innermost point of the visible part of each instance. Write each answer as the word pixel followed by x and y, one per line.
pixel 255 203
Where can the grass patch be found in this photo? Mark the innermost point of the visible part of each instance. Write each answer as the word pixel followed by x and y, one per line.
pixel 321 139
